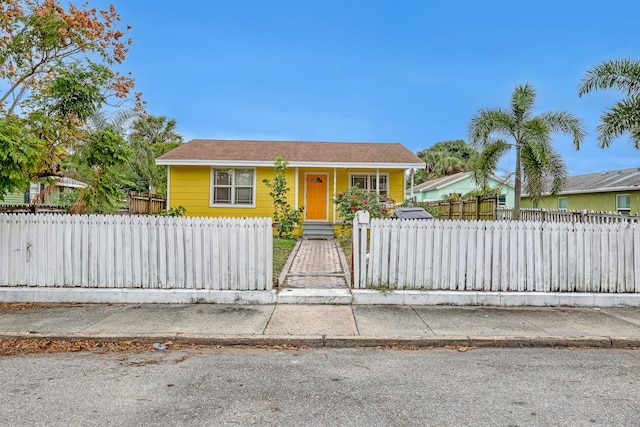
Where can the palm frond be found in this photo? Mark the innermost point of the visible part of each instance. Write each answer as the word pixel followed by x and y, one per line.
pixel 565 122
pixel 488 161
pixel 623 117
pixel 522 102
pixel 544 170
pixel 486 123
pixel 621 74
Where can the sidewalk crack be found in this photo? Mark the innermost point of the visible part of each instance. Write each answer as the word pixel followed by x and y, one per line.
pixel 423 321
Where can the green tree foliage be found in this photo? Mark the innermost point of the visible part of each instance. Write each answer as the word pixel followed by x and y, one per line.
pixel 536 160
pixel 445 158
pixel 151 137
pixel 19 152
pixel 56 71
pixel 105 151
pixel 284 216
pixel 623 75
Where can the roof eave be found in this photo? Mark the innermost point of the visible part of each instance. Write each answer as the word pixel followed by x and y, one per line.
pixel 262 163
pixel 591 190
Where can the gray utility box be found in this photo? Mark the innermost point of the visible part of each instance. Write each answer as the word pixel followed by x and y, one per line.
pixel 411 213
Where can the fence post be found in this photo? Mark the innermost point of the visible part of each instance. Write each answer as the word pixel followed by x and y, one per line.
pixel 359 239
pixel 355 252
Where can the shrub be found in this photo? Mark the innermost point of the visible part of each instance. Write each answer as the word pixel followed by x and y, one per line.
pixel 284 216
pixel 354 199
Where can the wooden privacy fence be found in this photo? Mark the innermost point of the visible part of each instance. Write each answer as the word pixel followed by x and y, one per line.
pixel 146 204
pixel 497 256
pixel 33 209
pixel 566 216
pixel 467 208
pixel 136 252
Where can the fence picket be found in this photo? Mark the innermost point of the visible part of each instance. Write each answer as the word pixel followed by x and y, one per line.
pixel 470 255
pixel 452 259
pixel 437 258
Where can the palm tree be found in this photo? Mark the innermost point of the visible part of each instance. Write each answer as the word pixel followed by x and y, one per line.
pixel 624 75
pixel 536 159
pixel 151 137
pixel 156 130
pixel 445 158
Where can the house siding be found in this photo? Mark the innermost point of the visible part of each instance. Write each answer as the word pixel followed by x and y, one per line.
pixel 462 187
pixel 190 187
pixel 16 198
pixel 600 202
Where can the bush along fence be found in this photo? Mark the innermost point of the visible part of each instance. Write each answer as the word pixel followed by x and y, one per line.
pixel 496 256
pixel 135 252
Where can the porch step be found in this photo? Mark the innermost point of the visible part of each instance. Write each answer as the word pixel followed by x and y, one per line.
pixel 317 230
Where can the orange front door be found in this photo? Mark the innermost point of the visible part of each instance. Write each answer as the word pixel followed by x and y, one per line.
pixel 316 197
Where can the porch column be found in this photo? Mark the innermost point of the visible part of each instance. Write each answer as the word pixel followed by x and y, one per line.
pixel 295 190
pixel 405 186
pixel 335 191
pixel 168 201
pixel 378 182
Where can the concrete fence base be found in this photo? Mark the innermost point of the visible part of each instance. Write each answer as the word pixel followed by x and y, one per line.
pixel 318 296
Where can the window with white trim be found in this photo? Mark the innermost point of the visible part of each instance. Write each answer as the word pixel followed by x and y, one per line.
pixel 369 181
pixel 562 203
pixel 623 204
pixel 235 187
pixel 502 201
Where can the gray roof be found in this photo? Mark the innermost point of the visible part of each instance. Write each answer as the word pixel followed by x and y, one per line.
pixel 599 182
pixel 69 182
pixel 438 183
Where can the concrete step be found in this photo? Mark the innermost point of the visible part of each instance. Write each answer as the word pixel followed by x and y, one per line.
pixel 317 231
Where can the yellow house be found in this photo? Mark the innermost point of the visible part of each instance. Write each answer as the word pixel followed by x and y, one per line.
pixel 223 178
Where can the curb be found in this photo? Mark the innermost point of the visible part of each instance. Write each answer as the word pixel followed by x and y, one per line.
pixel 350 341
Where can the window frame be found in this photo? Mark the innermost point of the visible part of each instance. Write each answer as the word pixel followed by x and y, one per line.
pixel 371 177
pixel 566 200
pixel 233 187
pixel 502 201
pixel 625 210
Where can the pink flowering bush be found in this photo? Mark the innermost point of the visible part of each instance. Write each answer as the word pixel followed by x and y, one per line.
pixel 354 199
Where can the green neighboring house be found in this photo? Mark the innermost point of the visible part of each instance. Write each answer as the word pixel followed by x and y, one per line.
pixel 459 183
pixel 610 191
pixel 35 188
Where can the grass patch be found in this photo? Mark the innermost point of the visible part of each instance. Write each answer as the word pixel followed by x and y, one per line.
pixel 281 250
pixel 345 243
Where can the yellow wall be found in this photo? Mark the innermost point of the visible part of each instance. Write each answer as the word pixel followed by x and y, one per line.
pixel 190 187
pixel 601 202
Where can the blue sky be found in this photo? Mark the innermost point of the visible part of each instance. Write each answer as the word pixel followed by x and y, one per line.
pixel 408 71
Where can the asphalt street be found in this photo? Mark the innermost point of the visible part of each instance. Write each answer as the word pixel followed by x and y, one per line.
pixel 318 387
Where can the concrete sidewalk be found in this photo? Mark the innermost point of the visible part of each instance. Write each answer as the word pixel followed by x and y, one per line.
pixel 326 325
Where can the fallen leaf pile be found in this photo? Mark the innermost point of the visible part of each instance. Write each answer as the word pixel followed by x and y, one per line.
pixel 20 346
pixel 23 305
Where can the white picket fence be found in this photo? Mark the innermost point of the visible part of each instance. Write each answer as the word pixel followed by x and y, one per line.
pixel 496 256
pixel 136 252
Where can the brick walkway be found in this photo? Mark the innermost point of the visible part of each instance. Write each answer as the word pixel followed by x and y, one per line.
pixel 317 265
